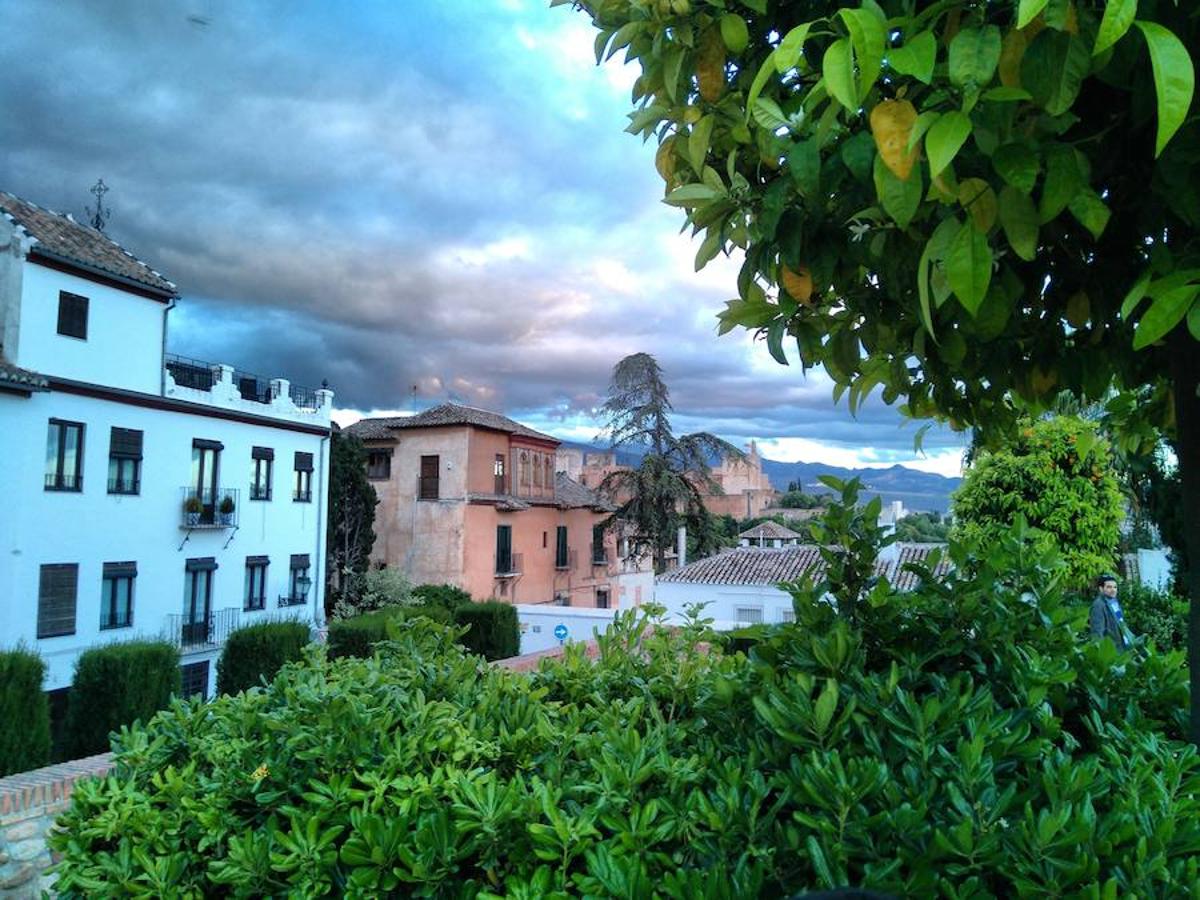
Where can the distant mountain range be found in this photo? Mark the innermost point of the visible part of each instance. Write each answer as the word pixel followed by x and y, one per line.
pixel 918 491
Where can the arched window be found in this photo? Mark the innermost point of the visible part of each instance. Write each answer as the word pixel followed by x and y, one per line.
pixel 524 464
pixel 537 471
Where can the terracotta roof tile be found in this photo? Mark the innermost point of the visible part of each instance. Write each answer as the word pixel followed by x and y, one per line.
pixel 771 530
pixel 446 414
pixel 22 379
pixel 62 238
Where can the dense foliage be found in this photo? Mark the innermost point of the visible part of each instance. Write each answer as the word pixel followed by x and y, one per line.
pixel 1155 615
pixel 255 653
pixel 666 488
pixel 1057 474
pixel 352 502
pixel 25 712
pixel 445 595
pixel 492 629
pixel 377 589
pixel 797 499
pixel 965 740
pixel 967 206
pixel 117 685
pixel 358 636
pixel 923 528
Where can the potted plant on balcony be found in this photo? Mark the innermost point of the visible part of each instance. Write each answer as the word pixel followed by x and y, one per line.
pixel 226 510
pixel 192 509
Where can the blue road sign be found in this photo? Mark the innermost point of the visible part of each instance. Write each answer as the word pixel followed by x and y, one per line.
pixel 560 631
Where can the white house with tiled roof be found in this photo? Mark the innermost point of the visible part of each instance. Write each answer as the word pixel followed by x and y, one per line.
pixel 741 586
pixel 146 495
pixel 769 534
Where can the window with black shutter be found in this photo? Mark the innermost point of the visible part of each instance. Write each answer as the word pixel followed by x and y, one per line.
pixel 263 459
pixel 599 553
pixel 304 470
pixel 125 461
pixel 256 583
pixel 429 489
pixel 72 315
pixel 116 595
pixel 560 548
pixel 57 585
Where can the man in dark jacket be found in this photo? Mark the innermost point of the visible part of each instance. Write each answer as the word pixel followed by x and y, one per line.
pixel 1106 618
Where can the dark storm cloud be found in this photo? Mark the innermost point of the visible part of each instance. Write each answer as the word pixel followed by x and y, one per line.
pixel 384 195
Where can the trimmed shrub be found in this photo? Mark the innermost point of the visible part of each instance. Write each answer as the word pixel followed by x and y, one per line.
pixel 492 629
pixel 446 596
pixel 359 635
pixel 378 589
pixel 258 652
pixel 1159 616
pixel 116 685
pixel 24 712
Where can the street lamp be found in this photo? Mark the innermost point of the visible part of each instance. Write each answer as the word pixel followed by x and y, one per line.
pixel 303 584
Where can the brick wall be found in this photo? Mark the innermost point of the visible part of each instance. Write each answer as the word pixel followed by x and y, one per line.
pixel 29 803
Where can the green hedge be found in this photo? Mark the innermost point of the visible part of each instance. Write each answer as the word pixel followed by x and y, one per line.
pixel 117 685
pixel 492 629
pixel 359 635
pixel 445 595
pixel 24 712
pixel 258 652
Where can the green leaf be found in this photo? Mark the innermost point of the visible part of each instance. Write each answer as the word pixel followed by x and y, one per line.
pixel 1006 94
pixel 1118 16
pixel 1135 295
pixel 760 81
pixel 857 153
pixel 1091 211
pixel 690 195
pixel 775 341
pixel 838 68
pixel 1164 314
pixel 1174 79
pixel 1064 179
pixel 709 248
pixel 734 32
pixel 1053 69
pixel 787 54
pixel 974 54
pixel 698 142
pixel 1017 165
pixel 1027 11
pixel 924 122
pixel 945 138
pixel 768 114
pixel 672 63
pixel 916 57
pixel 867 36
pixel 820 864
pixel 935 250
pixel 1019 220
pixel 899 199
pixel 1193 320
pixel 804 162
pixel 969 267
pixel 825 707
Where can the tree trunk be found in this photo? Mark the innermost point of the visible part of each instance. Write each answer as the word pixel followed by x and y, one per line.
pixel 1185 375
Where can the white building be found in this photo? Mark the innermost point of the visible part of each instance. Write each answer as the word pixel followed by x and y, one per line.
pixel 148 496
pixel 740 587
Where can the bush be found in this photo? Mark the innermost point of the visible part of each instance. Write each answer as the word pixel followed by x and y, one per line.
pixel 446 596
pixel 378 589
pixel 116 685
pixel 359 635
pixel 492 629
pixel 1159 616
pixel 25 712
pixel 962 740
pixel 257 652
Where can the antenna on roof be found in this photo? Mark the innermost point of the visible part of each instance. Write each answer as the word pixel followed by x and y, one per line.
pixel 98 217
pixel 414 399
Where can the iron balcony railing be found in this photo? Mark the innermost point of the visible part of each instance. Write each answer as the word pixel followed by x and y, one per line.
pixel 200 375
pixel 124 485
pixel 566 564
pixel 63 481
pixel 508 564
pixel 203 633
pixel 286 600
pixel 206 508
pixel 260 491
pixel 600 555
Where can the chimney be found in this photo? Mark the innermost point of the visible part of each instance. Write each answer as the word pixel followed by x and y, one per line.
pixel 681 546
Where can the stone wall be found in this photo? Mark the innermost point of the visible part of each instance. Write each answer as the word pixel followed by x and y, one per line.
pixel 29 803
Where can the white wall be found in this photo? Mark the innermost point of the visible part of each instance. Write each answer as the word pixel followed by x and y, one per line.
pixel 124 334
pixel 723 601
pixel 92 527
pixel 537 623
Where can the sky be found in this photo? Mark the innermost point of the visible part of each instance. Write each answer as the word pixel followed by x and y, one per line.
pixel 412 201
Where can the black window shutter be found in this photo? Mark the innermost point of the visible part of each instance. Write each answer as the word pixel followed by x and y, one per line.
pixel 300 561
pixel 304 462
pixel 72 315
pixel 257 560
pixel 126 443
pixel 56 599
pixel 201 564
pixel 120 569
pixel 262 453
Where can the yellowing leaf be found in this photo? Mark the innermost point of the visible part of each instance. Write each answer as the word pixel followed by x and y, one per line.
pixel 710 65
pixel 1011 52
pixel 1079 309
pixel 798 283
pixel 891 124
pixel 979 201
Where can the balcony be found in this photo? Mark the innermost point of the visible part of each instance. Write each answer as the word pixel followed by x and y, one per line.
pixel 600 555
pixel 288 600
pixel 199 375
pixel 565 565
pixel 64 481
pixel 208 509
pixel 508 565
pixel 205 634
